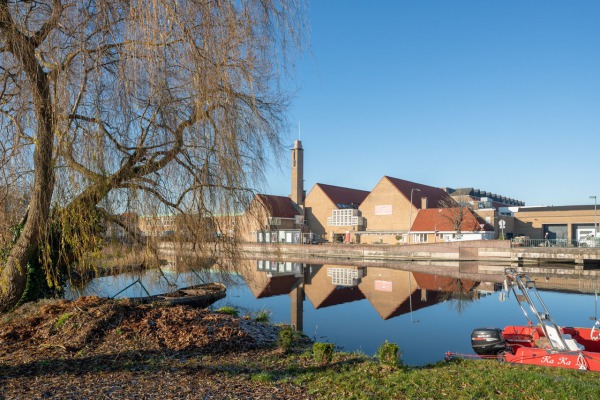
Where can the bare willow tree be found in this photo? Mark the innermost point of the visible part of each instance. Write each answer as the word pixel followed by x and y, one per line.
pixel 454 213
pixel 166 106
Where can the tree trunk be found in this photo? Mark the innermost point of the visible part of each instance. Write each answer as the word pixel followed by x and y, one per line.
pixel 13 277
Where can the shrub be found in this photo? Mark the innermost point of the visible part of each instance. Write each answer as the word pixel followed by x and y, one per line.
pixel 389 354
pixel 286 338
pixel 263 316
pixel 228 310
pixel 323 353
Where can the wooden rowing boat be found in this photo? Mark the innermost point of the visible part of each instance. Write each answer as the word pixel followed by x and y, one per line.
pixel 199 296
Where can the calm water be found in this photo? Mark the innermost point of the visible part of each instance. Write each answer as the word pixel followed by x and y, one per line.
pixel 358 308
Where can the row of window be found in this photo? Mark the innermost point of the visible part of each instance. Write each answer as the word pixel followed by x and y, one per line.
pixel 422 237
pixel 345 217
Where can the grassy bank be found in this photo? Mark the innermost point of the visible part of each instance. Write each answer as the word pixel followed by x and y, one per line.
pixel 104 349
pixel 358 377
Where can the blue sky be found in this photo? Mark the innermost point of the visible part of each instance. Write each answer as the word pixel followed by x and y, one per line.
pixel 503 96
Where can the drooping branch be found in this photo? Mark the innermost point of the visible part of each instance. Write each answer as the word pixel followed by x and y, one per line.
pixel 177 104
pixel 50 25
pixel 130 229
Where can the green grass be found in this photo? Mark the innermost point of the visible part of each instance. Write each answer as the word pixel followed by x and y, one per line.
pixel 457 379
pixel 228 310
pixel 262 377
pixel 357 376
pixel 263 316
pixel 62 320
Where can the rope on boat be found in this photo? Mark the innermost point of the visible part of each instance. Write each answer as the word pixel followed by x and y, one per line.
pixel 450 356
pixel 583 360
pixel 587 358
pixel 128 286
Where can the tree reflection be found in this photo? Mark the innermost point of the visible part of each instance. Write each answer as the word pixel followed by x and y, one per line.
pixel 461 295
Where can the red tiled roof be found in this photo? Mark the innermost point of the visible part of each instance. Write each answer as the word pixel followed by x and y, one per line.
pixel 278 285
pixel 440 219
pixel 342 195
pixel 434 195
pixel 443 283
pixel 417 304
pixel 341 295
pixel 279 206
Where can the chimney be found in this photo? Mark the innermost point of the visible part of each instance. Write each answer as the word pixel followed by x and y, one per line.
pixel 423 203
pixel 297 195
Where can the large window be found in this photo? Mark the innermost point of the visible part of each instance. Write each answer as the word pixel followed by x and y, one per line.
pixel 345 217
pixel 558 231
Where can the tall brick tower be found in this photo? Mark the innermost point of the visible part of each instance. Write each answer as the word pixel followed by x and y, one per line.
pixel 298 174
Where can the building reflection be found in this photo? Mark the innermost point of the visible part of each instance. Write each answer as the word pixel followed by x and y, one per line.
pixel 323 289
pixel 391 292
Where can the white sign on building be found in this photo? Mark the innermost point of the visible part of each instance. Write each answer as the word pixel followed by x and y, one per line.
pixel 385 209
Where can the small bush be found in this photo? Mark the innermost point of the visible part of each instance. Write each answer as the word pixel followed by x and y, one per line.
pixel 323 353
pixel 286 338
pixel 389 354
pixel 263 316
pixel 228 310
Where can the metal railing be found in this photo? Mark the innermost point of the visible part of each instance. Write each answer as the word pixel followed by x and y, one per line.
pixel 526 242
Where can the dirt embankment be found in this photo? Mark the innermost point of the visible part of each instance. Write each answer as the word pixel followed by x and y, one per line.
pixel 99 348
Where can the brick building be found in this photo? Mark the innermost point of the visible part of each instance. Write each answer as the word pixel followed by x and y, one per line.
pixel 448 225
pixel 332 212
pixel 391 207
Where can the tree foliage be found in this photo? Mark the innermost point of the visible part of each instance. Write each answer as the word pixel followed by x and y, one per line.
pixel 151 106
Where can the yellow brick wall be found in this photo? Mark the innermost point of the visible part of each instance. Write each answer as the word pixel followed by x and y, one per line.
pixel 256 218
pixel 385 194
pixel 530 223
pixel 318 208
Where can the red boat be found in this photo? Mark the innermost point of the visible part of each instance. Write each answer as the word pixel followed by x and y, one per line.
pixel 544 343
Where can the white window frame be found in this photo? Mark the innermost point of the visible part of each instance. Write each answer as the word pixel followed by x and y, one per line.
pixel 420 238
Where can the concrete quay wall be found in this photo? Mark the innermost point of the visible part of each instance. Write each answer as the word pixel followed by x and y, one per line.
pixel 588 255
pixel 488 250
pixel 465 251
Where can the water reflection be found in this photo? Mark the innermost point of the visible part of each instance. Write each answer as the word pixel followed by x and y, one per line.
pixel 390 292
pixel 427 309
pixel 141 283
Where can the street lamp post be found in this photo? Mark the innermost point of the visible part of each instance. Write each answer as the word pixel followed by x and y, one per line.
pixel 595 218
pixel 410 214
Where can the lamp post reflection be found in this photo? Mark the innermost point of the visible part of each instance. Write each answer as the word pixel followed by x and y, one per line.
pixel 410 299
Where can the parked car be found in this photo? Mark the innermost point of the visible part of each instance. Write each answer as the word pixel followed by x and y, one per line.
pixel 520 241
pixel 589 241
